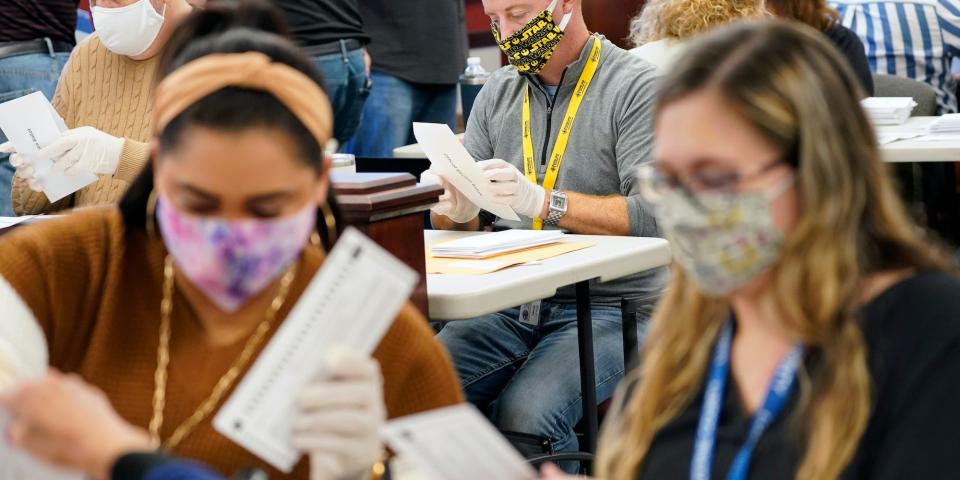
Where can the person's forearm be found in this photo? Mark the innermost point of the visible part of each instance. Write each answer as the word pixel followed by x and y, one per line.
pixel 441 222
pixel 592 215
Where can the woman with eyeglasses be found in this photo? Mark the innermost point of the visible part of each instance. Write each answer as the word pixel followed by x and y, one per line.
pixel 810 331
pixel 165 301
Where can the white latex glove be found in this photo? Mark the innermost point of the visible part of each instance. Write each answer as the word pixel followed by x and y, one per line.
pixel 453 204
pixel 84 150
pixel 340 417
pixel 511 187
pixel 22 165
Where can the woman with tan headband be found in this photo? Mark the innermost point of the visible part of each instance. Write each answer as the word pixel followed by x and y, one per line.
pixel 218 230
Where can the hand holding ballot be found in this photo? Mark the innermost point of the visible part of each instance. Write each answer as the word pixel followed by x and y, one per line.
pixel 450 161
pixel 39 139
pixel 452 204
pixel 66 423
pixel 340 416
pixel 511 187
pixel 78 151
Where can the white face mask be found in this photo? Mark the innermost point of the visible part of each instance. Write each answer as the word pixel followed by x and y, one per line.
pixel 128 30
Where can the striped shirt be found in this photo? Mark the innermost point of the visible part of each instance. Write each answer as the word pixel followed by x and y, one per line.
pixel 916 39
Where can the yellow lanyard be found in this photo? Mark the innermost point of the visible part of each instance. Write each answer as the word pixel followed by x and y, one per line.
pixel 560 147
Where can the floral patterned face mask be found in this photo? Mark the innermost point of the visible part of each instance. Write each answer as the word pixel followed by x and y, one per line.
pixel 722 240
pixel 231 261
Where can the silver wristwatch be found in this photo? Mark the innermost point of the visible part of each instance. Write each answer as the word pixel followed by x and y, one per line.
pixel 558 208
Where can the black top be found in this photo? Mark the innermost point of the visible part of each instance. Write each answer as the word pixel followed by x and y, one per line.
pixel 912 333
pixel 851 47
pixel 23 20
pixel 316 22
pixel 421 41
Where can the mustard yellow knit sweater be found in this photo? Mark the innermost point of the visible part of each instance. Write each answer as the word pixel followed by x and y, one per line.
pixel 95 288
pixel 111 93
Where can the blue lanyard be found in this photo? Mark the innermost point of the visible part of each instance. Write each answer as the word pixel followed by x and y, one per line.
pixel 776 398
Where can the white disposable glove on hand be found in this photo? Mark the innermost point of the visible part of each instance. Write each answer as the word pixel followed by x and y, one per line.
pixel 511 187
pixel 453 204
pixel 340 417
pixel 84 150
pixel 22 165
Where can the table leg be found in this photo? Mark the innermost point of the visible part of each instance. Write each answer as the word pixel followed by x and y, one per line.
pixel 588 380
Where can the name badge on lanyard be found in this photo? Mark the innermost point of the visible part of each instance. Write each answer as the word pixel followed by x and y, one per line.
pixel 530 313
pixel 777 395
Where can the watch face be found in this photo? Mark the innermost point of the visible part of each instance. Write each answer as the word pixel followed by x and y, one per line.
pixel 558 201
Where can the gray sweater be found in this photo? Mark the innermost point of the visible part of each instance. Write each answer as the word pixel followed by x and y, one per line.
pixel 611 137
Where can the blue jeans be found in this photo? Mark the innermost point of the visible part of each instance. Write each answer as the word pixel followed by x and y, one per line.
pixel 21 75
pixel 347 84
pixel 526 378
pixel 393 106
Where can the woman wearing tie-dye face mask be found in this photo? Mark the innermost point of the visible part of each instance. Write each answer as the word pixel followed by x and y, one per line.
pixel 166 301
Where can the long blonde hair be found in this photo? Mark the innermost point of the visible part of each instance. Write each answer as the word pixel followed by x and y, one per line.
pixel 799 93
pixel 682 19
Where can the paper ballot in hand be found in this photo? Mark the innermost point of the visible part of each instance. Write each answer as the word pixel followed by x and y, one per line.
pixel 31 123
pixel 451 161
pixel 23 356
pixel 350 303
pixel 456 443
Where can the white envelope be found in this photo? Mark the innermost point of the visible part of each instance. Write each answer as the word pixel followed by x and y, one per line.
pixel 451 161
pixel 31 123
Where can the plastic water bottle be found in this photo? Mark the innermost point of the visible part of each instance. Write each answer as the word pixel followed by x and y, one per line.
pixel 472 80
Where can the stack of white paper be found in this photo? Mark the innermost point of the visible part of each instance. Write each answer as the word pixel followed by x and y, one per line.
pixel 888 110
pixel 945 124
pixel 30 123
pixel 490 244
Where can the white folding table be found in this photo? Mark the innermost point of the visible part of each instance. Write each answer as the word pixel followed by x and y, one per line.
pixel 460 297
pixel 919 149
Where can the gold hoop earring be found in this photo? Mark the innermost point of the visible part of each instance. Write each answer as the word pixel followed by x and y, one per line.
pixel 315 240
pixel 331 222
pixel 150 222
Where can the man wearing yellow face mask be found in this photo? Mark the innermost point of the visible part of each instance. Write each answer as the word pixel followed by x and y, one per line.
pixel 571 120
pixel 105 97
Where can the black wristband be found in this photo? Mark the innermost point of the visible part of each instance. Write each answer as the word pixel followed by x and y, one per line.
pixel 136 466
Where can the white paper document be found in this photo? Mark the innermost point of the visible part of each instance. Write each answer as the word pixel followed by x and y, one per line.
pixel 23 356
pixel 31 123
pixel 945 124
pixel 350 303
pixel 456 443
pixel 450 160
pixel 7 222
pixel 490 244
